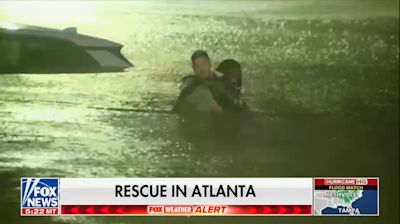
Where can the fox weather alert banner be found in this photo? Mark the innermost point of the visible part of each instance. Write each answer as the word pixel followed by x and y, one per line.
pixel 174 196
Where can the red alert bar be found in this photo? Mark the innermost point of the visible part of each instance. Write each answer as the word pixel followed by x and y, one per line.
pixel 186 210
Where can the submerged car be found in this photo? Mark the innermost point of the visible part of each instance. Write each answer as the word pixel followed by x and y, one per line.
pixel 32 49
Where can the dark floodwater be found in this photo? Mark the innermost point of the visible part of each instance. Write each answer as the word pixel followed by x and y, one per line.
pixel 307 69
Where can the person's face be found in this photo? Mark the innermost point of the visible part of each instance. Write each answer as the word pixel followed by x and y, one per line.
pixel 235 74
pixel 202 67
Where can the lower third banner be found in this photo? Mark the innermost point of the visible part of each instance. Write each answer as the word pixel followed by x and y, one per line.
pixel 186 196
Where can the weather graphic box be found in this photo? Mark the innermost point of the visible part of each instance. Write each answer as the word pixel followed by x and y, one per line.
pixel 346 196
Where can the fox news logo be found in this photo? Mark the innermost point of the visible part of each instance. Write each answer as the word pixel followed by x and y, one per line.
pixel 39 196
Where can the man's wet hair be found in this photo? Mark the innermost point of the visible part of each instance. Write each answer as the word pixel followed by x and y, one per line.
pixel 199 54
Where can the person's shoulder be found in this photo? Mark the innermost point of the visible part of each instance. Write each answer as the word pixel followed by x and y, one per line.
pixel 188 81
pixel 188 78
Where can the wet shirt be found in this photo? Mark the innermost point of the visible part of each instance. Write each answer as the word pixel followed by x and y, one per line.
pixel 201 99
pixel 205 95
pixel 195 96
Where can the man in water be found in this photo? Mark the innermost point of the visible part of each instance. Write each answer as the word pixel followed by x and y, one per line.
pixel 211 91
pixel 196 94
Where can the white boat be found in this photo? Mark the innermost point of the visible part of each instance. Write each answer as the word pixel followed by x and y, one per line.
pixel 32 49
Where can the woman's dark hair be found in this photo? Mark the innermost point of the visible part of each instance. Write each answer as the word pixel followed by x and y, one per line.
pixel 227 65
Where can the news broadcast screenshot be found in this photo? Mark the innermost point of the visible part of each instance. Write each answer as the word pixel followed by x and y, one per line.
pixel 212 111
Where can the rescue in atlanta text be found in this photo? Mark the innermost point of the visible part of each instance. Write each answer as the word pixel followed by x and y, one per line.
pixel 242 191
